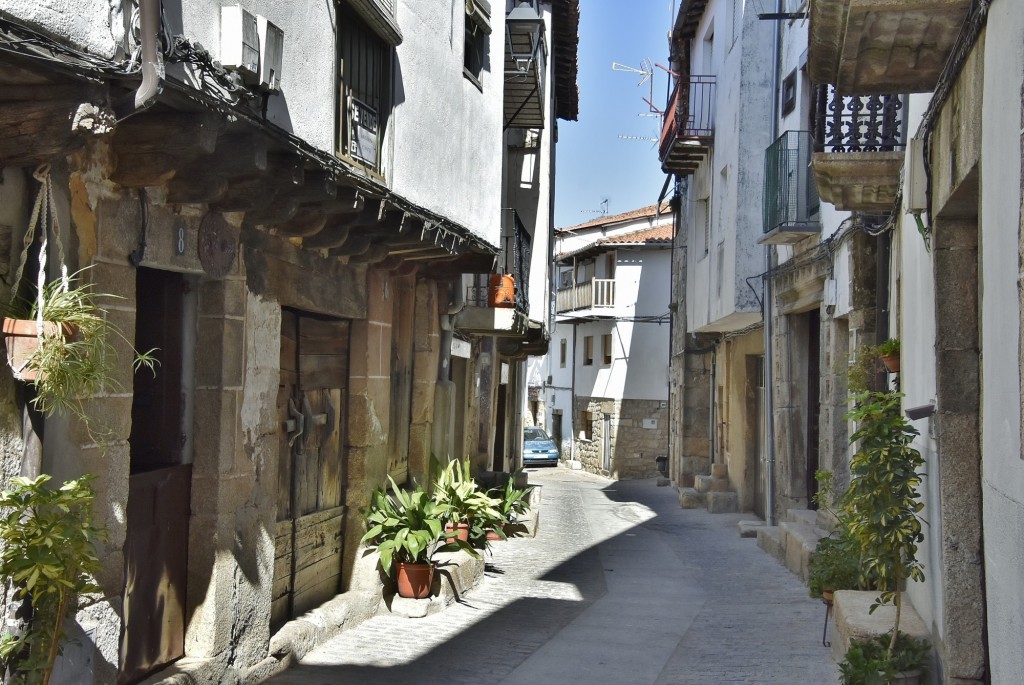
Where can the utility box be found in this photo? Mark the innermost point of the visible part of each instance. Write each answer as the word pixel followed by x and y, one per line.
pixel 915 188
pixel 271 42
pixel 239 42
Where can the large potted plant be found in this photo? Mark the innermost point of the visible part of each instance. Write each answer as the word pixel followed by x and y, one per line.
pixel 406 529
pixel 512 503
pixel 881 507
pixel 48 558
pixel 468 507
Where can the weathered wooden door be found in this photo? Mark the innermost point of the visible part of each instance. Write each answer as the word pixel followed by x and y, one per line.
pixel 310 513
pixel 159 486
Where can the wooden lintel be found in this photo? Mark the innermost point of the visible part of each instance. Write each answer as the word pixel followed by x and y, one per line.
pixel 390 262
pixel 183 134
pixel 247 195
pixel 376 254
pixel 333 235
pixel 354 245
pixel 146 169
pixel 239 155
pixel 289 169
pixel 34 131
pixel 303 224
pixel 278 212
pixel 193 188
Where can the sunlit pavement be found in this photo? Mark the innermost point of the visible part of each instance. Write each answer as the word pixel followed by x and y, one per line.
pixel 620 586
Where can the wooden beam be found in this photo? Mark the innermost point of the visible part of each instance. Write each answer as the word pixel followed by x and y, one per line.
pixel 34 131
pixel 304 224
pixel 354 245
pixel 196 187
pixel 317 186
pixel 247 195
pixel 277 213
pixel 376 254
pixel 287 168
pixel 333 235
pixel 181 134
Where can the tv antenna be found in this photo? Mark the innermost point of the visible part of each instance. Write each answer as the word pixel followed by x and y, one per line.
pixel 603 211
pixel 646 72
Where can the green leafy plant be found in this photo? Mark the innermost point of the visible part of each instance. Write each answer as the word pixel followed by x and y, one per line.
pixel 889 347
pixel 77 358
pixel 863 369
pixel 834 565
pixel 465 501
pixel 406 526
pixel 881 507
pixel 49 559
pixel 869 661
pixel 512 503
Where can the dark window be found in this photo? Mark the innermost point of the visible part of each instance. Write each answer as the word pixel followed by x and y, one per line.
pixel 588 350
pixel 606 348
pixel 561 354
pixel 364 72
pixel 473 56
pixel 788 94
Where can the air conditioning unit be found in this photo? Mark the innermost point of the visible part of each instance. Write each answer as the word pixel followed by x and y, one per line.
pixel 240 42
pixel 271 39
pixel 363 130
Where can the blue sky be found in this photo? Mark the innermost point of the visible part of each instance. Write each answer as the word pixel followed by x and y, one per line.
pixel 593 162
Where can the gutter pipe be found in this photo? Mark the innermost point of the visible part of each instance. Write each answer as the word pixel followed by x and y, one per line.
pixel 151 86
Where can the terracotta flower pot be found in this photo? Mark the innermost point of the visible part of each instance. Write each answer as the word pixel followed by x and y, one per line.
pixel 891 362
pixel 502 291
pixel 461 531
pixel 414 580
pixel 494 536
pixel 22 340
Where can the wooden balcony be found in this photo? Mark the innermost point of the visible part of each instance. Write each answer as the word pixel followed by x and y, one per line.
pixel 881 46
pixel 858 149
pixel 689 127
pixel 595 294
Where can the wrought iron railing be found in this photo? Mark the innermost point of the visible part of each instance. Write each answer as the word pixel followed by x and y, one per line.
pixel 858 123
pixel 514 260
pixel 790 195
pixel 597 292
pixel 691 112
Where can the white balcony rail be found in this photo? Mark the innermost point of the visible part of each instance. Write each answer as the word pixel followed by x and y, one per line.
pixel 598 292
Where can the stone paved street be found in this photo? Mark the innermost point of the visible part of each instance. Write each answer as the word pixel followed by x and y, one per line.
pixel 620 586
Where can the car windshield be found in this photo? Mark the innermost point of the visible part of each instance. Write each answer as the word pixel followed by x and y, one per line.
pixel 534 434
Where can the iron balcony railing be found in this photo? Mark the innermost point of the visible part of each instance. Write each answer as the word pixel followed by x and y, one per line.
pixel 514 259
pixel 691 113
pixel 595 293
pixel 858 123
pixel 791 200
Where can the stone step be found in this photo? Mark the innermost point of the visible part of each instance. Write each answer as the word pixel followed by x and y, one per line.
pixel 853 618
pixel 689 498
pixel 702 484
pixel 722 502
pixel 768 539
pixel 719 470
pixel 720 485
pixel 799 540
pixel 748 529
pixel 806 516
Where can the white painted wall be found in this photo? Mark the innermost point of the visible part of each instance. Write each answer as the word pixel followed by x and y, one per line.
pixel 718 297
pixel 1002 465
pixel 95 26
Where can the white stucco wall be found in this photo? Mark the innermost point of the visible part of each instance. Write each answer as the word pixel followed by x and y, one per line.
pixel 718 296
pixel 95 26
pixel 1002 466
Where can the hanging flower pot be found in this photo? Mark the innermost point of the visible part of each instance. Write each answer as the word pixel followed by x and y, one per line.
pixel 502 291
pixel 22 339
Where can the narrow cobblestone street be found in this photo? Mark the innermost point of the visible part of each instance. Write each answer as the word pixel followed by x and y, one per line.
pixel 620 586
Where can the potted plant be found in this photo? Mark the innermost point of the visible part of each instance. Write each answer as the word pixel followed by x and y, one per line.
pixel 405 528
pixel 467 506
pixel 881 506
pixel 47 557
pixel 889 353
pixel 834 565
pixel 869 662
pixel 513 502
pixel 63 343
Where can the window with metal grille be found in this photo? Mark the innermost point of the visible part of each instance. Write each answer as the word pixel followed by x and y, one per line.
pixel 364 100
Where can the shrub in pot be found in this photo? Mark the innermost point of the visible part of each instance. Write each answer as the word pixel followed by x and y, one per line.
pixel 834 565
pixel 406 529
pixel 513 503
pixel 470 510
pixel 869 661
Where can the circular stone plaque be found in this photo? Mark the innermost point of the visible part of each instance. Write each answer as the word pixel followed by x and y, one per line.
pixel 218 245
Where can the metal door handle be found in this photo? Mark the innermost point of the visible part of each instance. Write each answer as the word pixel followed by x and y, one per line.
pixel 295 425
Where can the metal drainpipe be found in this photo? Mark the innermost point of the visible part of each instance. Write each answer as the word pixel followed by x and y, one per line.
pixel 769 403
pixel 149 89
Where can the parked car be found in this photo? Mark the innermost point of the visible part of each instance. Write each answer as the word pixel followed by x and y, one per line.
pixel 538 448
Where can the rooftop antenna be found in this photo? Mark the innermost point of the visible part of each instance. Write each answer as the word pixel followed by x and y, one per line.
pixel 603 211
pixel 646 72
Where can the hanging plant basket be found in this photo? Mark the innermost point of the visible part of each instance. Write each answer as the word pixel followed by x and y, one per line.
pixel 22 339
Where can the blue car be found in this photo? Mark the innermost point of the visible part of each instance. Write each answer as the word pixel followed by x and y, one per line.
pixel 538 448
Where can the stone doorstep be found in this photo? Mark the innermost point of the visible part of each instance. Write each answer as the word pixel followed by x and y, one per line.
pixel 689 498
pixel 769 539
pixel 798 541
pixel 722 502
pixel 702 484
pixel 852 618
pixel 806 516
pixel 749 528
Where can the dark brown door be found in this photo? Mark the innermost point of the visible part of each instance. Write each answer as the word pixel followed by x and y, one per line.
pixel 156 547
pixel 813 402
pixel 311 408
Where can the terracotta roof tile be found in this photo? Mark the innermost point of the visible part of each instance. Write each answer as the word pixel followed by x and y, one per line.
pixel 649 210
pixel 655 234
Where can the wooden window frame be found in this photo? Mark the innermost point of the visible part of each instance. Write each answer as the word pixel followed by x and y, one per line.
pixel 365 62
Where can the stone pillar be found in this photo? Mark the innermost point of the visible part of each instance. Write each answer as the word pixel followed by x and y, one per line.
pixel 957 343
pixel 426 355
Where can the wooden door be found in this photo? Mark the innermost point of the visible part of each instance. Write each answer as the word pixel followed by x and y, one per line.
pixel 159 485
pixel 310 512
